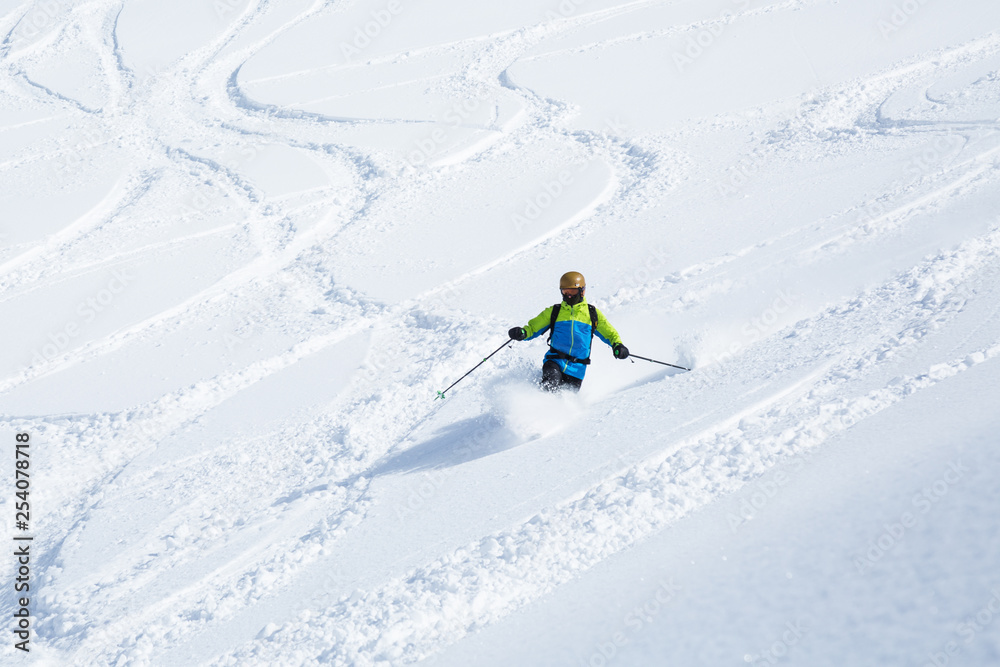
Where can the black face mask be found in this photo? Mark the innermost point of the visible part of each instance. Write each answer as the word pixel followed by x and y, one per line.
pixel 573 300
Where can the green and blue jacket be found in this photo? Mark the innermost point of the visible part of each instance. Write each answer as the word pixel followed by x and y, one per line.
pixel 571 335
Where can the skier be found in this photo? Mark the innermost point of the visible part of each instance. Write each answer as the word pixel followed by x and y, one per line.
pixel 572 325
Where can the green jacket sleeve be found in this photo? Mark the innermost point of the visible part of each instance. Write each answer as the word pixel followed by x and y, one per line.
pixel 539 324
pixel 605 331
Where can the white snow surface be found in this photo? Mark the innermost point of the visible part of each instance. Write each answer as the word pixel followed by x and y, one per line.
pixel 244 243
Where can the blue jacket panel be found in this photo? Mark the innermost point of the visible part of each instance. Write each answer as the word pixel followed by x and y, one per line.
pixel 572 335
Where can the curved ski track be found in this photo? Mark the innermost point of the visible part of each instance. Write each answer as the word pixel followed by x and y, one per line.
pixel 184 586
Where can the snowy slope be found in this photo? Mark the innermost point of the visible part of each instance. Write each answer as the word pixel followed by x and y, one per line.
pixel 245 242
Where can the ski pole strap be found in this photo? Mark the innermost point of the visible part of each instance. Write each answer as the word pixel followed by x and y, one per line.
pixel 562 355
pixel 636 356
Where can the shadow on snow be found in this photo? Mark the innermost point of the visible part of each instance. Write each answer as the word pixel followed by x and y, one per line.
pixel 452 445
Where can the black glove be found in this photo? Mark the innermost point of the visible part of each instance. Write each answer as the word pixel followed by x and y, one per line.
pixel 621 352
pixel 517 333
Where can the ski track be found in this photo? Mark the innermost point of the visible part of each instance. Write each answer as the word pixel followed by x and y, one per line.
pixel 398 623
pixel 182 594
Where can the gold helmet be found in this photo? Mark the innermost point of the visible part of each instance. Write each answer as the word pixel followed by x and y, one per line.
pixel 571 280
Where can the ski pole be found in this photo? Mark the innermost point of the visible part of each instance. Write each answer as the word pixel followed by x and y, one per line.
pixel 657 362
pixel 442 393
